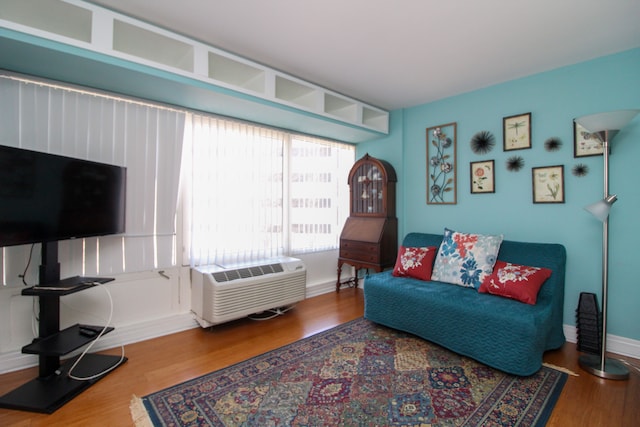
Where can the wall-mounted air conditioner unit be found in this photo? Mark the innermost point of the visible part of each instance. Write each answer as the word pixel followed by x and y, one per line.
pixel 220 294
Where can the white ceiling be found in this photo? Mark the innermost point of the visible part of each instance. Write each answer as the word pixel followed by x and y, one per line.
pixel 402 53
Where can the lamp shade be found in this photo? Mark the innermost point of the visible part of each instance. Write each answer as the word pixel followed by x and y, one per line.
pixel 601 208
pixel 612 120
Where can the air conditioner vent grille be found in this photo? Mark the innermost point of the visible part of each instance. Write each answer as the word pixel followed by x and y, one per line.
pixel 244 273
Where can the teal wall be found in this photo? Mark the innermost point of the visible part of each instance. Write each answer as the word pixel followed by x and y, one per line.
pixel 554 98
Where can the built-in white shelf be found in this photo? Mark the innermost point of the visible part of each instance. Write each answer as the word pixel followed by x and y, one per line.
pixel 95 29
pixel 237 73
pixel 153 46
pixel 374 118
pixel 340 107
pixel 57 17
pixel 296 93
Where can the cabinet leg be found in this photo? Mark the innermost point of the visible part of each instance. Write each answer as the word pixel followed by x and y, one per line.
pixel 352 283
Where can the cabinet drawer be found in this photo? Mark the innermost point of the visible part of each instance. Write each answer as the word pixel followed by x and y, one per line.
pixel 372 257
pixel 359 246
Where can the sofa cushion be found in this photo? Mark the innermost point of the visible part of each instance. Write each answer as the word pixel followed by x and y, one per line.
pixel 466 259
pixel 416 262
pixel 515 281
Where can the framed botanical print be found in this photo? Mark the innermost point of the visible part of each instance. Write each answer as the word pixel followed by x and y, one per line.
pixel 585 143
pixel 516 132
pixel 482 177
pixel 441 164
pixel 548 184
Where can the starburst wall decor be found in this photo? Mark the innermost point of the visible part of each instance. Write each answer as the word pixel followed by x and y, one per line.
pixel 580 170
pixel 482 142
pixel 515 163
pixel 552 144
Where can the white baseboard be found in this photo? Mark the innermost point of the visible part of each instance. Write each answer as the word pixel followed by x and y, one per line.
pixel 122 335
pixel 320 288
pixel 615 344
pixel 128 334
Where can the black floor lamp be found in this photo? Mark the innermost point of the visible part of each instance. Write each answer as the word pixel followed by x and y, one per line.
pixel 606 126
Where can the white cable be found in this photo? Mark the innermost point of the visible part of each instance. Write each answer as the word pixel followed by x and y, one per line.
pixel 276 312
pixel 92 343
pixel 35 319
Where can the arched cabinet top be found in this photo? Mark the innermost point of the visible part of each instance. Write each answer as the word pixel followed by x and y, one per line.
pixel 384 166
pixel 372 187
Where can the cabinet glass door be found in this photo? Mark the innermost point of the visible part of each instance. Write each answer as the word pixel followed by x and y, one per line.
pixel 368 189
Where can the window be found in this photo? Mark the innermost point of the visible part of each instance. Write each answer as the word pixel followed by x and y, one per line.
pixel 319 192
pixel 256 192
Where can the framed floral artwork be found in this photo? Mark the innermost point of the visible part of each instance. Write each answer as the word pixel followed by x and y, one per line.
pixel 548 184
pixel 483 177
pixel 585 143
pixel 516 132
pixel 441 164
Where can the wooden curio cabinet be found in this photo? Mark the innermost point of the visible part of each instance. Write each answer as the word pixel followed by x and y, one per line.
pixel 369 239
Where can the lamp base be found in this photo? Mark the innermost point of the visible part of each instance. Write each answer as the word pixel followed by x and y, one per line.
pixel 613 370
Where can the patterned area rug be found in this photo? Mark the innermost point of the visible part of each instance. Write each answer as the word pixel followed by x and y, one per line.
pixel 357 374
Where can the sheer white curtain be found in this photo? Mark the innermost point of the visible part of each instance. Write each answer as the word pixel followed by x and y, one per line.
pixel 147 139
pixel 255 192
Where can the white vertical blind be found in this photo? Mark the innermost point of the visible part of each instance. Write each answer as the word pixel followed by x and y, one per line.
pixel 256 192
pixel 144 138
pixel 237 189
pixel 319 192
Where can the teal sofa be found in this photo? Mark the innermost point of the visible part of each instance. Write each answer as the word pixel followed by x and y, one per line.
pixel 502 333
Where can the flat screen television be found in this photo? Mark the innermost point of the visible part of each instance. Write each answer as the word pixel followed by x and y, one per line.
pixel 46 197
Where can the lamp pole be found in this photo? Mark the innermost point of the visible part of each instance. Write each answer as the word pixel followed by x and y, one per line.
pixel 605 254
pixel 606 126
pixel 601 366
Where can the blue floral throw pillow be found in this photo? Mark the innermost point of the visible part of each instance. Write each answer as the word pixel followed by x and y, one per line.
pixel 466 259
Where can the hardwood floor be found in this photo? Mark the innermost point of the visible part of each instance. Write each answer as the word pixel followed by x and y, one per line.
pixel 159 363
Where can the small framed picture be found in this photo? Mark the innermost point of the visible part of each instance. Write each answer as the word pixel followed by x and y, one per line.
pixel 483 177
pixel 517 132
pixel 585 143
pixel 548 184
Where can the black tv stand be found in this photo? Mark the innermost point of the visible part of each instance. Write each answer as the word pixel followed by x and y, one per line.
pixel 53 387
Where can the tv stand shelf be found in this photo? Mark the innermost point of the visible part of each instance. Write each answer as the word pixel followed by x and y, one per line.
pixel 54 387
pixel 66 286
pixel 61 343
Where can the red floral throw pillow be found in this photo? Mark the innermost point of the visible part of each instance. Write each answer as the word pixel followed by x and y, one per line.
pixel 515 281
pixel 415 262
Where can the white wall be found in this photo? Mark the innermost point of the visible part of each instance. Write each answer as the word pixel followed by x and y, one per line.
pixel 145 305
